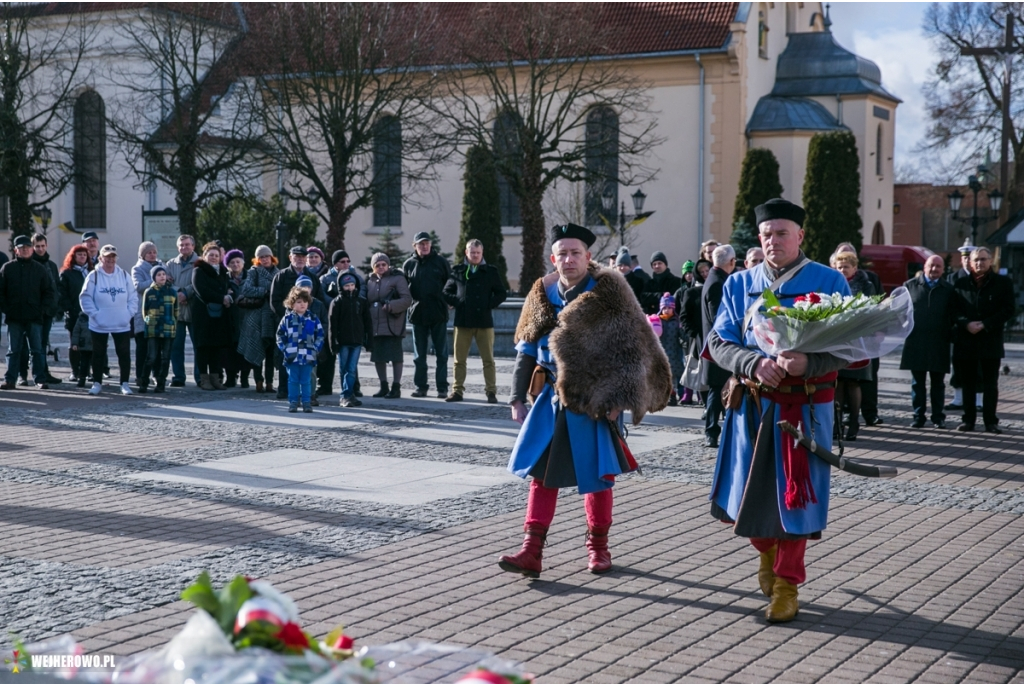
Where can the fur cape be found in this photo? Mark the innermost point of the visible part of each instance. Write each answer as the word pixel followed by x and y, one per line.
pixel 608 355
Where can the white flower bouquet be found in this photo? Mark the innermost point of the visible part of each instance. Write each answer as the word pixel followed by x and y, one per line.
pixel 851 327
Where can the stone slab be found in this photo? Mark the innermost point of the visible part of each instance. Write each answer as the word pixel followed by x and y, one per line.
pixel 262 413
pixel 359 477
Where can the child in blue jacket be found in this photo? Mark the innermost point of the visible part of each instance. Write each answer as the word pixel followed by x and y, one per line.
pixel 300 338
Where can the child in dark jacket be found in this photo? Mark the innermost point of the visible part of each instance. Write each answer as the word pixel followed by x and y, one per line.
pixel 81 344
pixel 349 324
pixel 671 340
pixel 160 314
pixel 300 337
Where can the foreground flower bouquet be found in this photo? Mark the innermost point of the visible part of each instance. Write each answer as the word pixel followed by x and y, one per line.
pixel 851 327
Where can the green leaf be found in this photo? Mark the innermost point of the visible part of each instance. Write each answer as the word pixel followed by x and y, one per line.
pixel 200 593
pixel 770 300
pixel 232 596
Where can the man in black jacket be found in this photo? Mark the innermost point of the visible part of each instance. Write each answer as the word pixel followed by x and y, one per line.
pixel 26 296
pixel 624 264
pixel 926 350
pixel 39 247
pixel 983 304
pixel 284 281
pixel 428 273
pixel 474 289
pixel 724 263
pixel 663 281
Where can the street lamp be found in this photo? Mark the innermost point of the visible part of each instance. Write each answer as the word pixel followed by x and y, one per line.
pixel 282 236
pixel 44 215
pixel 995 200
pixel 608 203
pixel 312 196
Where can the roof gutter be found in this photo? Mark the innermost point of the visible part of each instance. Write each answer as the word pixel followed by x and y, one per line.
pixel 700 158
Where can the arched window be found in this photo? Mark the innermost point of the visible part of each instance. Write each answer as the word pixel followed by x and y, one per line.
pixel 90 161
pixel 878 151
pixel 508 154
pixel 602 159
pixel 878 234
pixel 387 172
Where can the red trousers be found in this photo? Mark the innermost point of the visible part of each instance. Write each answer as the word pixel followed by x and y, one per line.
pixel 789 560
pixel 540 508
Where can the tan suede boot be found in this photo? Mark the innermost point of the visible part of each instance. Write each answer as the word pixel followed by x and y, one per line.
pixel 766 574
pixel 204 382
pixel 216 382
pixel 784 606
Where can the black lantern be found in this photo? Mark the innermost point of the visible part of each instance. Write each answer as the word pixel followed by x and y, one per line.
pixel 955 198
pixel 608 200
pixel 638 201
pixel 995 200
pixel 282 236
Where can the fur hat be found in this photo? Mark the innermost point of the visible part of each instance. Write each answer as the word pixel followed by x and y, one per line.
pixel 263 251
pixel 379 257
pixel 232 254
pixel 563 231
pixel 777 208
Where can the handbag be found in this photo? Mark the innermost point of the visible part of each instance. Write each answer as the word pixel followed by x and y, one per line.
pixel 695 373
pixel 214 311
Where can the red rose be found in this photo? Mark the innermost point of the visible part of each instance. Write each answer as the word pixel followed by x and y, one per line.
pixel 292 636
pixel 344 642
pixel 801 298
pixel 814 298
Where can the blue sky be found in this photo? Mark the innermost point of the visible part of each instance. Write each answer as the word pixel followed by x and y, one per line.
pixel 890 35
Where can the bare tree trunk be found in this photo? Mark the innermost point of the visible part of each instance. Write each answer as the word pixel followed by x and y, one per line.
pixel 338 219
pixel 533 224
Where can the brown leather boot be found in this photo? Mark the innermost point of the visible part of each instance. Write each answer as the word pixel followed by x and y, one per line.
pixel 766 573
pixel 204 382
pixel 784 606
pixel 527 560
pixel 597 550
pixel 259 386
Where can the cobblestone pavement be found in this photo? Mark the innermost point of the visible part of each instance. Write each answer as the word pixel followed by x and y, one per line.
pixel 918 579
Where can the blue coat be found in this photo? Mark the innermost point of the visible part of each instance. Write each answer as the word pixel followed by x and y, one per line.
pixel 736 449
pixel 593 449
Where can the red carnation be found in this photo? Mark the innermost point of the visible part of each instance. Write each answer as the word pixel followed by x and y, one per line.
pixel 814 298
pixel 344 642
pixel 801 298
pixel 292 636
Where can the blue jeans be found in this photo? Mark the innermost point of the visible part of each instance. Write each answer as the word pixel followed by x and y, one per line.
pixel 16 334
pixel 300 383
pixel 918 395
pixel 348 362
pixel 421 336
pixel 178 352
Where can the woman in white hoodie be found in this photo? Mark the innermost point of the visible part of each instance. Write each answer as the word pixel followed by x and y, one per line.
pixel 110 300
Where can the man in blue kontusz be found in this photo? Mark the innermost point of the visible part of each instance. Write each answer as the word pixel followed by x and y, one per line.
pixel 770 490
pixel 585 353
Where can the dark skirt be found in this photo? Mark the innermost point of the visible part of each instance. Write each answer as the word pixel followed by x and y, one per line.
pixel 386 348
pixel 555 468
pixel 862 374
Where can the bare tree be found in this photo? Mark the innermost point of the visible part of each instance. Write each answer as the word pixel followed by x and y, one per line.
pixel 41 69
pixel 964 98
pixel 183 122
pixel 539 70
pixel 348 112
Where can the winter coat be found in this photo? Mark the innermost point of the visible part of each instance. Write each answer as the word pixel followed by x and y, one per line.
pixel 69 287
pixel 710 301
pixel 665 282
pixel 474 295
pixel 257 324
pixel 690 314
pixel 209 287
pixel 927 346
pixel 671 342
pixel 284 281
pixel 427 278
pixel 300 337
pixel 81 336
pixel 51 268
pixel 179 271
pixel 636 283
pixel 160 311
pixel 861 284
pixel 142 281
pixel 27 293
pixel 993 304
pixel 236 313
pixel 329 284
pixel 110 300
pixel 388 296
pixel 349 321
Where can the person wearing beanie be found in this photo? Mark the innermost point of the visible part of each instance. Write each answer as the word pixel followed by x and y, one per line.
pixel 160 319
pixel 236 368
pixel 142 279
pixel 110 301
pixel 388 297
pixel 341 264
pixel 315 261
pixel 428 273
pixel 671 340
pixel 724 263
pixel 662 281
pixel 624 265
pixel 687 274
pixel 257 339
pixel 27 296
pixel 347 333
pixel 284 281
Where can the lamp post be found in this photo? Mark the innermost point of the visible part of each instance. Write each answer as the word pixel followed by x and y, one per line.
pixel 995 199
pixel 608 202
pixel 44 215
pixel 282 237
